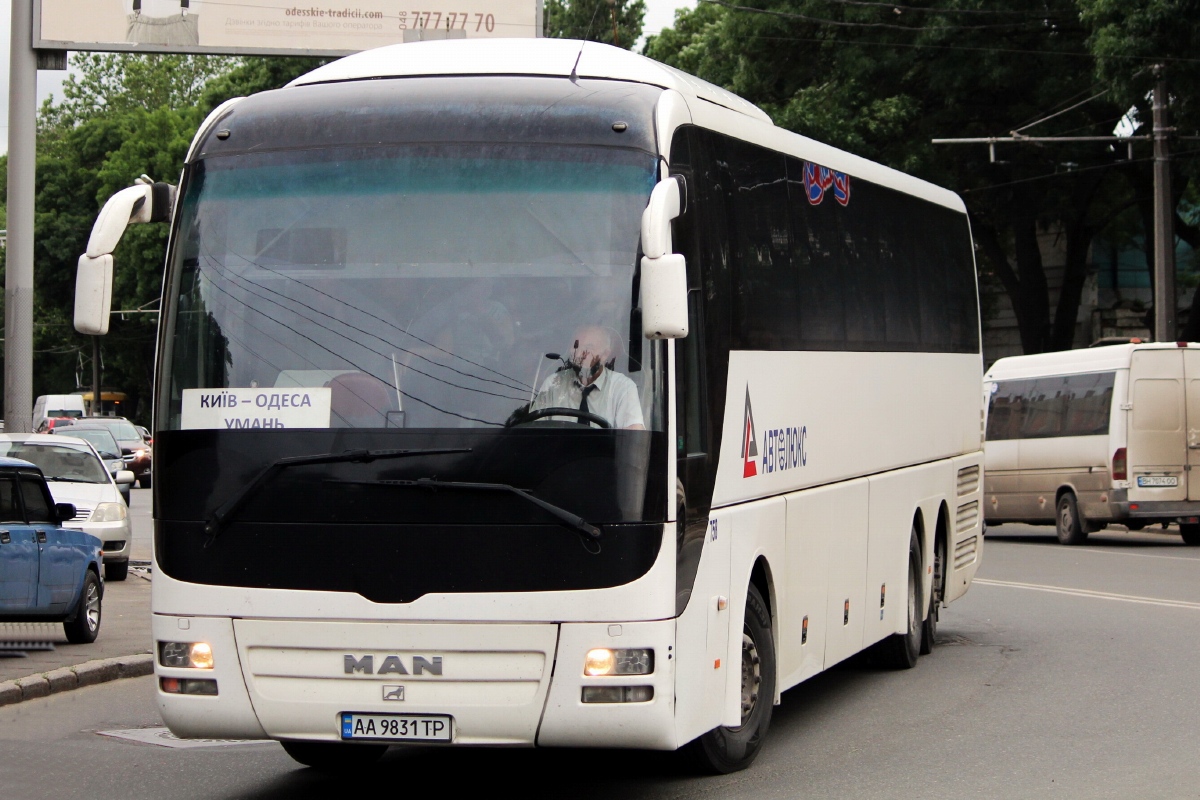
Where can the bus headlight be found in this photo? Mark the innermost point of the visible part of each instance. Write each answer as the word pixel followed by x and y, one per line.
pixel 603 661
pixel 189 655
pixel 109 512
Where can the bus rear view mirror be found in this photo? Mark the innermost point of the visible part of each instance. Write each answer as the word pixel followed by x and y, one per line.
pixel 664 273
pixel 93 294
pixel 664 297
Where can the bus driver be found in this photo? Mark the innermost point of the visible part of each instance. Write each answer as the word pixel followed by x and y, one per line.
pixel 589 384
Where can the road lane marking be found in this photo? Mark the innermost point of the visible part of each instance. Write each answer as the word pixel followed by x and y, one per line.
pixel 164 738
pixel 1135 555
pixel 1125 598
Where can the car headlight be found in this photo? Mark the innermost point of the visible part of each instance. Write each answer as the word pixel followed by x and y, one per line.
pixel 141 453
pixel 109 512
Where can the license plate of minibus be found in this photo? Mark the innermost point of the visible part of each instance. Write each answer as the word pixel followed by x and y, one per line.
pixel 1157 480
pixel 398 727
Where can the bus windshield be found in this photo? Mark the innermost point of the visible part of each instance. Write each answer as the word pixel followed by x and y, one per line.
pixel 413 286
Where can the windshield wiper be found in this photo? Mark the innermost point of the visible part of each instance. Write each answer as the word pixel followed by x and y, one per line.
pixel 226 512
pixel 65 479
pixel 573 521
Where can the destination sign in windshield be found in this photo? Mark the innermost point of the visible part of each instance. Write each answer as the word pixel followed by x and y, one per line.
pixel 241 409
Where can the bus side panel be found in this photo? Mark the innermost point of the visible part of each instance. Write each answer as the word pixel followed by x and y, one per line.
pixel 964 528
pixel 893 509
pixel 702 636
pixel 810 517
pixel 844 539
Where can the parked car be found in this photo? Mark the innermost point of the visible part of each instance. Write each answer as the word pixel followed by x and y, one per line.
pixel 76 474
pixel 108 450
pixel 134 448
pixel 48 572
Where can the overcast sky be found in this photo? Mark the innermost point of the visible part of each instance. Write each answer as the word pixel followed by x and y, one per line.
pixel 659 14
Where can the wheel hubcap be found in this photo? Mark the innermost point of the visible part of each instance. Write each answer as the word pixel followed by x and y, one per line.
pixel 92 607
pixel 751 676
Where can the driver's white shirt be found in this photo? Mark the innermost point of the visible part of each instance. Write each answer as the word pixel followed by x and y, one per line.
pixel 159 8
pixel 615 397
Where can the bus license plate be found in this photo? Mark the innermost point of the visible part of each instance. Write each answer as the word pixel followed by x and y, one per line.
pixel 398 727
pixel 1157 480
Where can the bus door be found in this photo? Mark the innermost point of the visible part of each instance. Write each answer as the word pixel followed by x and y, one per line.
pixel 1157 444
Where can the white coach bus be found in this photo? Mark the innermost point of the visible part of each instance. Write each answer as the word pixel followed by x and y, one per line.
pixel 535 393
pixel 1083 438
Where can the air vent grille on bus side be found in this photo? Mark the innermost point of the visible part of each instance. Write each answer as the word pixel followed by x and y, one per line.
pixel 968 480
pixel 967 516
pixel 964 551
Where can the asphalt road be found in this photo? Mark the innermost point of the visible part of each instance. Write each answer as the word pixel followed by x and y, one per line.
pixel 1065 672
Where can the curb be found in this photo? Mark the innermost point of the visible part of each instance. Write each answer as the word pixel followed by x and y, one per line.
pixel 67 678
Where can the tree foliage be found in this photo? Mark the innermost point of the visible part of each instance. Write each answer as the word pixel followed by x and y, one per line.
pixel 615 22
pixel 883 81
pixel 120 116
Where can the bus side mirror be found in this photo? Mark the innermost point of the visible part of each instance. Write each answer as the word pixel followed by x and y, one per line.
pixel 664 273
pixel 142 202
pixel 93 294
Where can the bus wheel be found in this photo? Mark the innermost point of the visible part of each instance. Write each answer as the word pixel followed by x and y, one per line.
pixel 900 650
pixel 1190 533
pixel 724 750
pixel 929 629
pixel 1069 526
pixel 334 756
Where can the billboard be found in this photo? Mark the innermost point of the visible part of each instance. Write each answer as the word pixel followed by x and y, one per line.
pixel 273 27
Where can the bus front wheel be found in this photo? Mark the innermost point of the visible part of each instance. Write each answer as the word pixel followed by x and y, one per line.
pixel 725 750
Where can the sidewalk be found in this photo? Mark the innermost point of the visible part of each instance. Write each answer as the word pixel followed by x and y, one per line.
pixel 124 631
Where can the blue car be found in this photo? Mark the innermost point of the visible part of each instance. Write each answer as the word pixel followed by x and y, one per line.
pixel 48 573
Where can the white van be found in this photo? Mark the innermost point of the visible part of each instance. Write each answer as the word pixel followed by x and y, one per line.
pixel 57 405
pixel 1083 438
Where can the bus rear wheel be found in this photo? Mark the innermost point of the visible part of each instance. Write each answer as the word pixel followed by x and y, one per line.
pixel 334 756
pixel 929 629
pixel 1190 533
pixel 1068 524
pixel 900 650
pixel 725 750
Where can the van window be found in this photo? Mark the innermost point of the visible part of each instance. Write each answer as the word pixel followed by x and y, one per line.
pixel 1043 408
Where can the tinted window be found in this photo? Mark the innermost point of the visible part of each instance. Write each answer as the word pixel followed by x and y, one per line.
pixel 853 267
pixel 38 507
pixel 10 509
pixel 1074 405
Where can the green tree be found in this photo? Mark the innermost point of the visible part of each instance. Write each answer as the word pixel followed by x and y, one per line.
pixel 883 82
pixel 615 22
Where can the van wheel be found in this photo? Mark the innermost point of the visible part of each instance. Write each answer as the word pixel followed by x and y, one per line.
pixel 725 750
pixel 1190 533
pixel 1068 525
pixel 900 650
pixel 334 756
pixel 929 629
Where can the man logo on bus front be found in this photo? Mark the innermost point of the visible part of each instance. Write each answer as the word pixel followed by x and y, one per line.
pixel 749 448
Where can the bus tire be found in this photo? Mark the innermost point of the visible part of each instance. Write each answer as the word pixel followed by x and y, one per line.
pixel 900 650
pixel 334 756
pixel 1067 523
pixel 929 627
pixel 724 750
pixel 1190 533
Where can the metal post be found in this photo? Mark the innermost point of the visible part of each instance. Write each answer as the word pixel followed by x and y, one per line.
pixel 95 376
pixel 18 278
pixel 1164 222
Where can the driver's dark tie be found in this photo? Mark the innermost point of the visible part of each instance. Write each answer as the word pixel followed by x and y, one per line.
pixel 583 403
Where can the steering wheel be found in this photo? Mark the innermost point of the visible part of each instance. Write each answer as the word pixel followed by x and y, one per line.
pixel 585 416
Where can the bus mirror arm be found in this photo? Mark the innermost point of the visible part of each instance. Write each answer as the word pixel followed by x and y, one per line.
pixel 664 273
pixel 145 201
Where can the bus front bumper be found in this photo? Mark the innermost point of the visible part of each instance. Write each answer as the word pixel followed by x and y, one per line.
pixel 498 683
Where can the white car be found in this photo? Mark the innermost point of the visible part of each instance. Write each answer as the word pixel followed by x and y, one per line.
pixel 76 474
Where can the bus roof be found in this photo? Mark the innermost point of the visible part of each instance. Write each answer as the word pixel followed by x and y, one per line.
pixel 1071 362
pixel 547 57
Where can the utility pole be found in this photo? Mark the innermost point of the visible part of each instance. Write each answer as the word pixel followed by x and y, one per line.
pixel 95 376
pixel 18 276
pixel 1164 220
